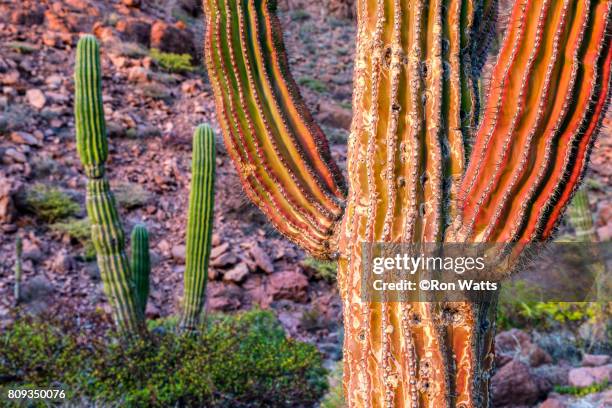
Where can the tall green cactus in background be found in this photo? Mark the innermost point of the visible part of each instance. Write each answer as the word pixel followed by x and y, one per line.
pixel 199 226
pixel 127 283
pixel 18 270
pixel 106 230
pixel 141 265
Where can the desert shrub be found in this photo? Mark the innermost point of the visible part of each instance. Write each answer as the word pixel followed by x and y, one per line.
pixel 172 62
pixel 335 397
pixel 34 352
pixel 313 84
pixel 237 361
pixel 48 203
pixel 519 306
pixel 581 391
pixel 79 232
pixel 322 270
pixel 131 195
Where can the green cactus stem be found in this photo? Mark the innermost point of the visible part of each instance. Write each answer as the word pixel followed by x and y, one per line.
pixel 581 218
pixel 199 226
pixel 18 270
pixel 107 233
pixel 141 265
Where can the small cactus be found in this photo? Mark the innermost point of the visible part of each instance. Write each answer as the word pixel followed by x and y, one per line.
pixel 107 233
pixel 18 270
pixel 199 226
pixel 141 265
pixel 581 217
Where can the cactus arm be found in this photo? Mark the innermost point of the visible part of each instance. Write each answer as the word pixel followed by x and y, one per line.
pixel 281 155
pixel 107 234
pixel 141 265
pixel 554 71
pixel 199 226
pixel 18 269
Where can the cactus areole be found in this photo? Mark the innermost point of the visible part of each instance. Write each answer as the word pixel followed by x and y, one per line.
pixel 427 161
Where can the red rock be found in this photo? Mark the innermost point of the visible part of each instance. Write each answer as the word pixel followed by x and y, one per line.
pixel 7 208
pixel 237 274
pixel 131 3
pixel 291 285
pixel 218 250
pixel 168 38
pixel 261 258
pixel 587 376
pixel 223 297
pixel 36 98
pixel 334 115
pixel 595 360
pixel 55 22
pixel 27 17
pixel 553 402
pixel 135 30
pixel 514 384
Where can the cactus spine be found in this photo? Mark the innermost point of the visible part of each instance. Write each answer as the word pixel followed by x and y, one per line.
pixel 141 265
pixel 199 226
pixel 106 230
pixel 18 270
pixel 417 170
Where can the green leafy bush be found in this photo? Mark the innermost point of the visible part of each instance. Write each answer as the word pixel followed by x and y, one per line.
pixel 323 270
pixel 79 231
pixel 48 203
pixel 582 391
pixel 519 307
pixel 172 62
pixel 313 84
pixel 236 361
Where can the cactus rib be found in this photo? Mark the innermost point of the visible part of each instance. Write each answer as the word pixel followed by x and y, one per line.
pixel 199 226
pixel 282 156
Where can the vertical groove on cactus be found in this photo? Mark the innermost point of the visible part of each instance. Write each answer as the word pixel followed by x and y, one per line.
pixel 18 270
pixel 282 156
pixel 141 265
pixel 199 226
pixel 534 158
pixel 107 234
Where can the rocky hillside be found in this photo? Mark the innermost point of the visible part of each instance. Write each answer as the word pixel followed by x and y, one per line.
pixel 153 99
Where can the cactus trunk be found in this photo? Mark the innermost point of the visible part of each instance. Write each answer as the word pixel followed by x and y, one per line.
pixel 199 226
pixel 418 171
pixel 106 230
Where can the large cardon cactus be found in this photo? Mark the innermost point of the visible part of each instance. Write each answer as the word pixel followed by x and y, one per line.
pixel 427 161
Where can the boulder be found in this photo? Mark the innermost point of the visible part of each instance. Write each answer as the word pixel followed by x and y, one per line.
pixel 587 376
pixel 134 30
pixel 595 360
pixel 515 384
pixel 237 274
pixel 261 258
pixel 290 285
pixel 168 38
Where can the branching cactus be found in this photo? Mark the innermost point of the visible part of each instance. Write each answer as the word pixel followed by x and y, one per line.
pixel 199 226
pixel 106 230
pixel 141 265
pixel 127 283
pixel 425 163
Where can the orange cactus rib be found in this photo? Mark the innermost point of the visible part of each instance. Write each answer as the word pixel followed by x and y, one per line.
pixel 536 146
pixel 280 153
